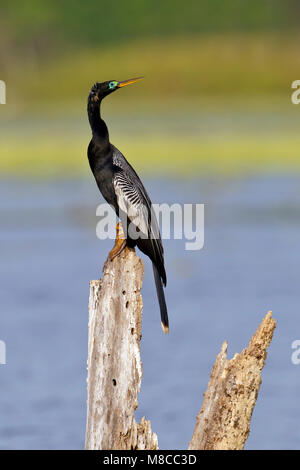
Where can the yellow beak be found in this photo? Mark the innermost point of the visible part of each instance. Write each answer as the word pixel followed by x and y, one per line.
pixel 128 82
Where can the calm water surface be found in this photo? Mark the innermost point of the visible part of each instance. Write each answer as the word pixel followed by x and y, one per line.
pixel 250 264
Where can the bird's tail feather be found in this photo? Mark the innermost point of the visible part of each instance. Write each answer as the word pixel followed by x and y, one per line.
pixel 161 300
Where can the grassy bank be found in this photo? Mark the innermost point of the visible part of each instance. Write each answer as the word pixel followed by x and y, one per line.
pixel 252 65
pixel 191 144
pixel 209 103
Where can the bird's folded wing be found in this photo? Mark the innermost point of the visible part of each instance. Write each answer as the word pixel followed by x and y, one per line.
pixel 132 203
pixel 133 199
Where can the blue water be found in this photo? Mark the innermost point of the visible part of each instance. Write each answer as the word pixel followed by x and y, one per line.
pixel 250 264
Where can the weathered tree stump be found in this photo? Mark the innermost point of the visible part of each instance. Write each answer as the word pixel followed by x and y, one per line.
pixel 224 419
pixel 114 360
pixel 115 371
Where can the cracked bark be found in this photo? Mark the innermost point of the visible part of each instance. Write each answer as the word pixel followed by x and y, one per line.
pixel 224 419
pixel 115 371
pixel 114 360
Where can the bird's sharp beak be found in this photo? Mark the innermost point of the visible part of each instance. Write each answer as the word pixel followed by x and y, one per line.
pixel 128 82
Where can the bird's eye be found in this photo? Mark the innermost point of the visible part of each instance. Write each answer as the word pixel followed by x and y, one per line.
pixel 112 84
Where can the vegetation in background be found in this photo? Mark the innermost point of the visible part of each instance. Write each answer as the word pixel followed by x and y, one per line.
pixel 240 67
pixel 216 94
pixel 41 23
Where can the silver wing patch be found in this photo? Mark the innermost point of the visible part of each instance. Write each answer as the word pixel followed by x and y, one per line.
pixel 130 203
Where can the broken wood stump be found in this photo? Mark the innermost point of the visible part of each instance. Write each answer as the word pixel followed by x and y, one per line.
pixel 115 371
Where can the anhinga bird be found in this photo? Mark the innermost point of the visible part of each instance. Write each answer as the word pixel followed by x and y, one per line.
pixel 124 191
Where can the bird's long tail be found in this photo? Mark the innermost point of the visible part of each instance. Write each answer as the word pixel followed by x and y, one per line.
pixel 161 300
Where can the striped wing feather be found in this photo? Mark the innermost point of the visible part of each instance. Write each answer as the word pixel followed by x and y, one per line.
pixel 134 201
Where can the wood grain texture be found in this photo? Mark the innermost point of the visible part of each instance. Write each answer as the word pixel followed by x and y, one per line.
pixel 224 419
pixel 114 360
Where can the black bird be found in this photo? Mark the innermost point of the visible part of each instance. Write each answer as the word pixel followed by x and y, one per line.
pixel 124 191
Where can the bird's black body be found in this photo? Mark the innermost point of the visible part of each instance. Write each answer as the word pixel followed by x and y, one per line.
pixel 124 191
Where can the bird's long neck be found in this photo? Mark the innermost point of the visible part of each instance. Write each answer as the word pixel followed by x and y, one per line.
pixel 97 124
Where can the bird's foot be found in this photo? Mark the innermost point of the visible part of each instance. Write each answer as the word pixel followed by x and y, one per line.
pixel 117 249
pixel 120 243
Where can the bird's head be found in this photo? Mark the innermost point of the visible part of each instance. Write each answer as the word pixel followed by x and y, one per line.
pixel 100 90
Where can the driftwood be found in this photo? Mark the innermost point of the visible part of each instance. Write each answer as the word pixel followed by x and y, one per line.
pixel 115 371
pixel 114 360
pixel 224 419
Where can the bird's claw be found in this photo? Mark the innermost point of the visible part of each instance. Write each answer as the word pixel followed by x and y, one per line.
pixel 117 249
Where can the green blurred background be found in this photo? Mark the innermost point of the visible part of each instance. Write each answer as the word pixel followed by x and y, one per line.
pixel 216 95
